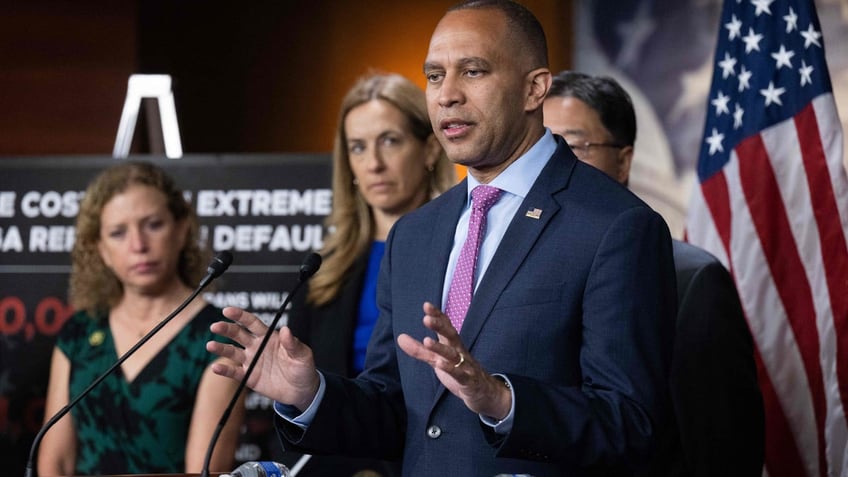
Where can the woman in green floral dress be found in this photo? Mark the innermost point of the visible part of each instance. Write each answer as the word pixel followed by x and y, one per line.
pixel 135 259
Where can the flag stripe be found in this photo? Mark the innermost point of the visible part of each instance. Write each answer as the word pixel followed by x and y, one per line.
pixel 834 259
pixel 772 333
pixel 717 199
pixel 783 458
pixel 762 193
pixel 830 130
pixel 833 244
pixel 701 225
pixel 783 142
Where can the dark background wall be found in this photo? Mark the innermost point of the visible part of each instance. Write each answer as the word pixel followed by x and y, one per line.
pixel 248 76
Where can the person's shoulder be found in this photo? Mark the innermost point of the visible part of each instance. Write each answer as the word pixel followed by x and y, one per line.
pixel 696 267
pixel 602 196
pixel 81 321
pixel 199 325
pixel 565 174
pixel 207 315
pixel 688 256
pixel 80 328
pixel 453 197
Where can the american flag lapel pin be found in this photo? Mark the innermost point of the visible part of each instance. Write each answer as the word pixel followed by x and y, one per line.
pixel 534 213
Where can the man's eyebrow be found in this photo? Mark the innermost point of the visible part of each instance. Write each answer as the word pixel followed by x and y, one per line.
pixel 473 61
pixel 429 66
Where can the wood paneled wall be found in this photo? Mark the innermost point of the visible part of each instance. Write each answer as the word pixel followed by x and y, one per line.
pixel 249 77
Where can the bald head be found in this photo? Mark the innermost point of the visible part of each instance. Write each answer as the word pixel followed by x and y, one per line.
pixel 523 27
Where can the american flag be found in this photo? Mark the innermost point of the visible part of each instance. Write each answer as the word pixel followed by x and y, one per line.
pixel 773 206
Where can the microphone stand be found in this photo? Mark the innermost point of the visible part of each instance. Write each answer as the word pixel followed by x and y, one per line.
pixel 309 267
pixel 219 263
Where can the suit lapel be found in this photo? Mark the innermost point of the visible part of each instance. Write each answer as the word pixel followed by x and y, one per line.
pixel 523 232
pixel 438 254
pixel 534 214
pixel 442 240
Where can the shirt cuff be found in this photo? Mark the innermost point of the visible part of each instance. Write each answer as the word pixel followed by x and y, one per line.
pixel 504 425
pixel 293 414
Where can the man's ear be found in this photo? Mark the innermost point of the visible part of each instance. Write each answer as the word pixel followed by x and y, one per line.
pixel 432 150
pixel 539 83
pixel 625 159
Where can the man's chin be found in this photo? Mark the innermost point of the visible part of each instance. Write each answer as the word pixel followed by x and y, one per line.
pixel 462 157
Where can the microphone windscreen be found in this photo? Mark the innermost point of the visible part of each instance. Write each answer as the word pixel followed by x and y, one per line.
pixel 219 264
pixel 311 264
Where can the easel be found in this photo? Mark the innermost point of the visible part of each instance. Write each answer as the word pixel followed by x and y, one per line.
pixel 149 86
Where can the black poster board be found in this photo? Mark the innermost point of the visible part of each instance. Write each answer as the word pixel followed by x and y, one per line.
pixel 267 209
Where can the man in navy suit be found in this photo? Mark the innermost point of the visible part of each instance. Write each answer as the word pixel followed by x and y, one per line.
pixel 559 367
pixel 719 422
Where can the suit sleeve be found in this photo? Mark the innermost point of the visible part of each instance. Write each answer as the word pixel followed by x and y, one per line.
pixel 628 309
pixel 362 417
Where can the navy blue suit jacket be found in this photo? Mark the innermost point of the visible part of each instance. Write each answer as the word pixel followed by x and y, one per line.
pixel 576 308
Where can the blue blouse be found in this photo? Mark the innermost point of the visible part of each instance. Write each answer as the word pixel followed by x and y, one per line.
pixel 367 315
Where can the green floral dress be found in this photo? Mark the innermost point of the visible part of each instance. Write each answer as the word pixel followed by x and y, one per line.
pixel 140 426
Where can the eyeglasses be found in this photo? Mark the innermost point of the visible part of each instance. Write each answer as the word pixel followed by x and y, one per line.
pixel 581 149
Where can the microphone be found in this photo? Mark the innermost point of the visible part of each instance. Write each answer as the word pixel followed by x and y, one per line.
pixel 219 264
pixel 216 267
pixel 310 265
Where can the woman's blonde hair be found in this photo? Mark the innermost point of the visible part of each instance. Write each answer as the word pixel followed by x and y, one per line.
pixel 93 286
pixel 351 221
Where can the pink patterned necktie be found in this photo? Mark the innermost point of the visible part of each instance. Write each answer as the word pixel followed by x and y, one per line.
pixel 462 284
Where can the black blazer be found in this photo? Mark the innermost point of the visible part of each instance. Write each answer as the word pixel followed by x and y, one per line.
pixel 329 329
pixel 718 408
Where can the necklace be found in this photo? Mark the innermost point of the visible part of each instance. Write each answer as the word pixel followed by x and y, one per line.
pixel 132 324
pixel 135 327
pixel 140 332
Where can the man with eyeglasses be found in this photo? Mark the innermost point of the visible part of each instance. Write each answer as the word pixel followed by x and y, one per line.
pixel 718 408
pixel 596 119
